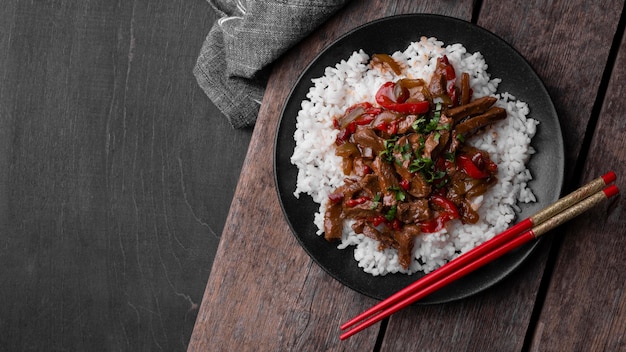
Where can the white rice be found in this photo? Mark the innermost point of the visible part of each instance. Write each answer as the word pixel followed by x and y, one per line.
pixel 352 81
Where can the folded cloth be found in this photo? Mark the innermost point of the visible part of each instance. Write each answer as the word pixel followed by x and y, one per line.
pixel 234 61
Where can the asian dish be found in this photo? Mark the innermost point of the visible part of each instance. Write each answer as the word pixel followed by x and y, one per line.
pixel 414 157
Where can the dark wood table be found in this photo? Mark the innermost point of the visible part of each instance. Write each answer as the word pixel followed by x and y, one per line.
pixel 265 293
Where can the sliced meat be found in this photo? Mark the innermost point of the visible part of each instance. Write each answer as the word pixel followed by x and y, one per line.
pixel 418 187
pixel 437 140
pixel 361 211
pixel 406 124
pixel 437 86
pixel 471 125
pixel 430 144
pixel 403 155
pixel 365 137
pixel 468 214
pixel 384 236
pixel 350 188
pixel 476 107
pixel 405 239
pixel 466 91
pixel 333 221
pixel 387 178
pixel 416 140
pixel 369 184
pixel 414 211
pixel 360 166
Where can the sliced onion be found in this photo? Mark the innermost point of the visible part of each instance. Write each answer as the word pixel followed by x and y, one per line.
pixel 347 150
pixel 345 120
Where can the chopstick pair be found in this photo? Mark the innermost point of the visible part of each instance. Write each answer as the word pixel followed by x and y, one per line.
pixel 526 230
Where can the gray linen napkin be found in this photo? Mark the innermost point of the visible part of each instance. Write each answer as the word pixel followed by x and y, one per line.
pixel 234 61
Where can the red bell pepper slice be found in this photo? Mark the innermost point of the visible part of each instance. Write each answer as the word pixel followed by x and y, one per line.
pixel 356 201
pixel 467 165
pixel 390 127
pixel 386 98
pixel 433 225
pixel 450 76
pixel 377 220
pixel 449 212
pixel 445 204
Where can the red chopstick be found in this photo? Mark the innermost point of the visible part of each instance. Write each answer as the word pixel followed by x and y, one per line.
pixel 530 228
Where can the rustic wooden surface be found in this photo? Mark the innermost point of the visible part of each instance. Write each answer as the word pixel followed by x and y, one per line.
pixel 264 293
pixel 116 174
pixel 592 252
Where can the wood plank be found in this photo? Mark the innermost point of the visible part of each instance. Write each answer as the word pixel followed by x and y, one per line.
pixel 506 311
pixel 114 182
pixel 493 320
pixel 569 58
pixel 585 307
pixel 290 303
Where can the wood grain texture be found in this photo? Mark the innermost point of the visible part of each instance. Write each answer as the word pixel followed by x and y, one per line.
pixel 567 43
pixel 115 179
pixel 562 64
pixel 494 320
pixel 586 300
pixel 290 303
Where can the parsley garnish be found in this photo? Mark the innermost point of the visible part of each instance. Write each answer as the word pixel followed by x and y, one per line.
pixel 376 201
pixel 387 153
pixel 426 166
pixel 421 125
pixel 400 195
pixel 391 214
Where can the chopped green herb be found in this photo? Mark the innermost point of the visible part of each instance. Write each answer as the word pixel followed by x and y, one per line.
pixel 434 175
pixel 422 125
pixel 420 164
pixel 445 126
pixel 400 195
pixel 376 201
pixel 387 153
pixel 417 123
pixel 391 214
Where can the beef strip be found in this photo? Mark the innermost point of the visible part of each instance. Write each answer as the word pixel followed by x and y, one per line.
pixel 473 124
pixel 333 221
pixel 369 183
pixel 476 107
pixel 402 155
pixel 406 124
pixel 418 187
pixel 437 85
pixel 466 91
pixel 361 211
pixel 386 175
pixel 365 137
pixel 414 211
pixel 404 240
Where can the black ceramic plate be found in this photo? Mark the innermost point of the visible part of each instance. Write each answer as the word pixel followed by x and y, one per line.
pixel 387 36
